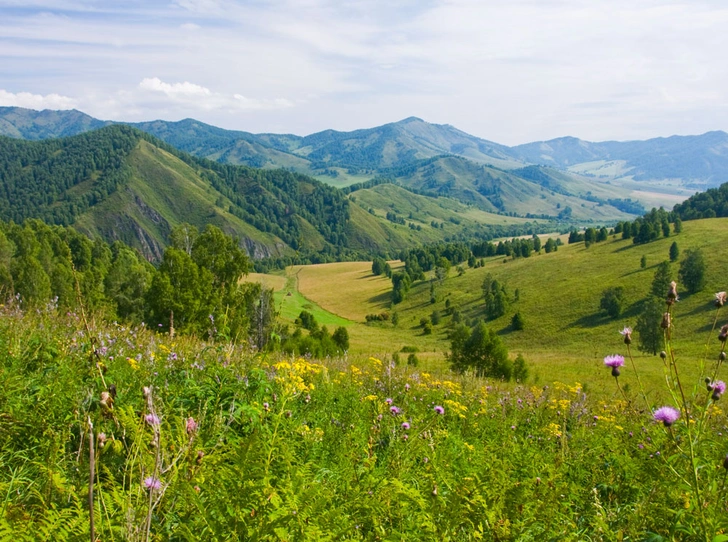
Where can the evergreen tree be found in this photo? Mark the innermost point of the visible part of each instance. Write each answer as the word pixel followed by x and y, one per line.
pixel 517 322
pixel 661 281
pixel 674 251
pixel 692 270
pixel 649 332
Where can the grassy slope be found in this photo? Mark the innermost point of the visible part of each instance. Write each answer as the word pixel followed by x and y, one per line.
pixel 566 336
pixel 164 192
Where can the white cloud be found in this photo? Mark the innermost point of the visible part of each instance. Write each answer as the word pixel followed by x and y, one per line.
pixel 174 90
pixel 36 101
pixel 199 97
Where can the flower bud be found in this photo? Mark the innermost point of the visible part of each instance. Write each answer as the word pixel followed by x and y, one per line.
pixel 721 356
pixel 723 335
pixel 615 372
pixel 663 354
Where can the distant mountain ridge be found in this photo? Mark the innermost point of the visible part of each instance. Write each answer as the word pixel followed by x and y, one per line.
pixel 697 161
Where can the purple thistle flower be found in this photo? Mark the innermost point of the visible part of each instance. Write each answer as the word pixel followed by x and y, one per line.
pixel 406 387
pixel 405 426
pixel 615 362
pixel 666 415
pixel 152 483
pixel 191 425
pixel 718 389
pixel 439 410
pixel 389 400
pixel 152 419
pixel 394 410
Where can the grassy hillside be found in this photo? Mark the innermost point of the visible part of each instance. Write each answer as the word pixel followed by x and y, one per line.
pixel 566 335
pixel 163 192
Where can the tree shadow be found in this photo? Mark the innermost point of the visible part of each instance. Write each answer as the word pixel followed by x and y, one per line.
pixel 382 299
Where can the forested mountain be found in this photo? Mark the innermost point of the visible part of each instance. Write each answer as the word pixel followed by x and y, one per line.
pixel 123 184
pixel 342 158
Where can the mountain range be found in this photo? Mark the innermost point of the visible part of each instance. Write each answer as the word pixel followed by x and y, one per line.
pixel 408 182
pixel 339 158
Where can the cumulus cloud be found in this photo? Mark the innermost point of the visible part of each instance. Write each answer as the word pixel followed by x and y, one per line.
pixel 199 97
pixel 36 101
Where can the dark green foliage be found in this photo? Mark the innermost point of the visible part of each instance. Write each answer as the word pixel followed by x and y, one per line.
pixel 692 271
pixel 711 203
pixel 550 246
pixel 643 261
pixel 413 360
pixel 395 319
pixel 495 296
pixel 341 338
pixel 307 321
pixel 517 322
pixel 378 266
pixel 401 283
pixel 674 251
pixel 427 329
pixel 435 318
pixel 480 350
pixel 649 332
pixel 613 301
pixel 37 178
pixel 661 281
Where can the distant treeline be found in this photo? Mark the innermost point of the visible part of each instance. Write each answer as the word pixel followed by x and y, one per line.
pixel 709 204
pixel 442 256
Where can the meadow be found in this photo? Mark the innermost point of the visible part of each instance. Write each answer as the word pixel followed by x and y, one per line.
pixel 558 297
pixel 117 432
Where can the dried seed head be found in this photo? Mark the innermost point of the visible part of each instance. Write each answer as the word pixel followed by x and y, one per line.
pixel 147 391
pixel 720 299
pixel 723 335
pixel 721 356
pixel 200 455
pixel 665 324
pixel 672 292
pixel 663 354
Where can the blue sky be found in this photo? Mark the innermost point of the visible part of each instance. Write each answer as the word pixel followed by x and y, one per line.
pixel 510 71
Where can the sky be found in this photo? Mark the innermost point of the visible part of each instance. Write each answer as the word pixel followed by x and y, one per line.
pixel 510 71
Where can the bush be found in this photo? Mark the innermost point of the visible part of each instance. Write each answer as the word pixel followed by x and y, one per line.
pixel 517 322
pixel 692 271
pixel 612 301
pixel 412 360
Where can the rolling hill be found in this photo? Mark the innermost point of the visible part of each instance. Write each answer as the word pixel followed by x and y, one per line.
pixel 674 166
pixel 122 184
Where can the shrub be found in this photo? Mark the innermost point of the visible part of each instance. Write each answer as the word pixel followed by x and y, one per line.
pixel 692 270
pixel 612 301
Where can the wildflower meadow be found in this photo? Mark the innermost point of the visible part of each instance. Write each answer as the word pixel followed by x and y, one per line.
pixel 111 432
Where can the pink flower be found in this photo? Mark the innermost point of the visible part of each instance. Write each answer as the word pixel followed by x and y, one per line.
pixel 667 415
pixel 191 425
pixel 152 483
pixel 615 362
pixel 439 410
pixel 152 419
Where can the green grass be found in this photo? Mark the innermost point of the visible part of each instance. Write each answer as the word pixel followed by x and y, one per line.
pixel 290 302
pixel 566 334
pixel 248 447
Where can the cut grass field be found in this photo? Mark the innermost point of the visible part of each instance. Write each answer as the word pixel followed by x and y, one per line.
pixel 566 335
